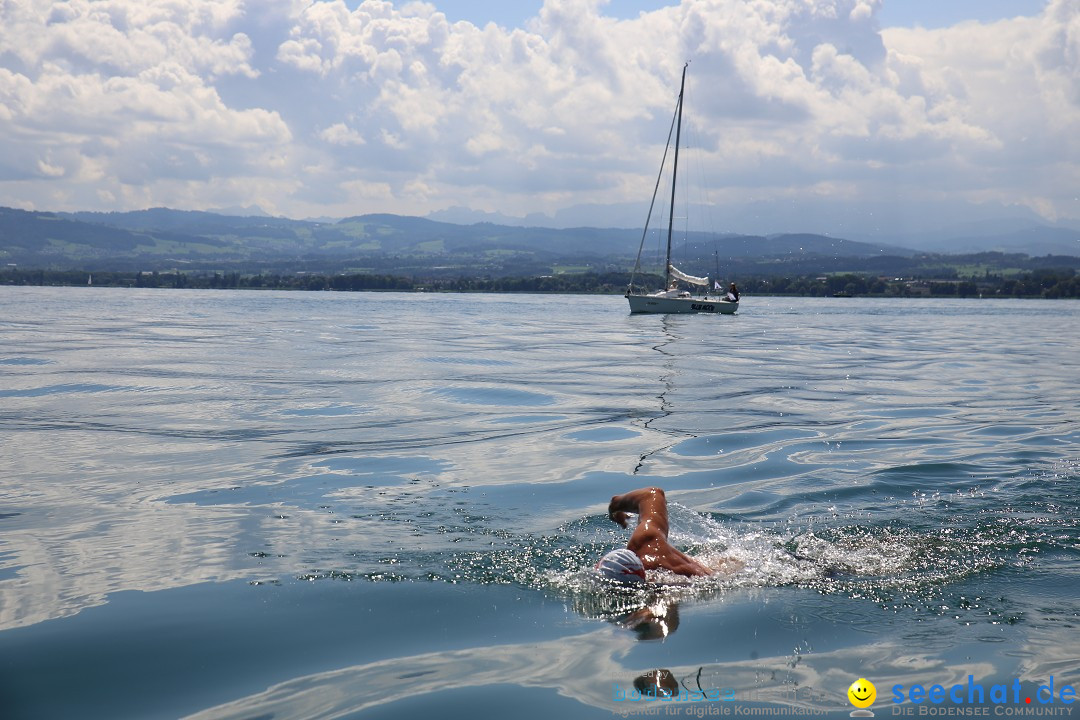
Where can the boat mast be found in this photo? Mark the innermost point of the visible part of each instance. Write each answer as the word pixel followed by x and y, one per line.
pixel 674 175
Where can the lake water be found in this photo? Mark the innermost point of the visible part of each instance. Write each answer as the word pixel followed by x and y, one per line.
pixel 320 505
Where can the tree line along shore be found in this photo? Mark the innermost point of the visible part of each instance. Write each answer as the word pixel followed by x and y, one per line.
pixel 1048 283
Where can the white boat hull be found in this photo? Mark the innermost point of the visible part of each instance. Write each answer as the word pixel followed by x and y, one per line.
pixel 654 304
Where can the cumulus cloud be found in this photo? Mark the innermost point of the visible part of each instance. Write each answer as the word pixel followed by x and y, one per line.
pixel 116 100
pixel 331 108
pixel 1012 89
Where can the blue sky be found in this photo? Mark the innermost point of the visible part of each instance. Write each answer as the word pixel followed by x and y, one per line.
pixel 849 117
pixel 893 13
pixel 515 13
pixel 943 13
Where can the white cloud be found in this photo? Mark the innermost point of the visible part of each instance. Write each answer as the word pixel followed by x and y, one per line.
pixel 116 99
pixel 1018 82
pixel 313 108
pixel 342 134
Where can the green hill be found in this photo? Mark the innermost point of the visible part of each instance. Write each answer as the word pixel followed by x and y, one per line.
pixel 163 239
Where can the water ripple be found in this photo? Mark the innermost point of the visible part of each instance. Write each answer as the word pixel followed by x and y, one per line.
pixel 896 459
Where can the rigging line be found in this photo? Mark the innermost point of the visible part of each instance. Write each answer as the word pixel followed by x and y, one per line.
pixel 674 176
pixel 688 157
pixel 697 141
pixel 659 176
pixel 708 226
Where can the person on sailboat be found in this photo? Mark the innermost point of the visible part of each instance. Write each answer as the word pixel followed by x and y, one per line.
pixel 732 294
pixel 673 291
pixel 648 547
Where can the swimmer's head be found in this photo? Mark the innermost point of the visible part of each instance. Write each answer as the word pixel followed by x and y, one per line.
pixel 622 565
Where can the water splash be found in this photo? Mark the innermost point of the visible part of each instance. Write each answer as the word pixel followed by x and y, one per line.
pixel 920 566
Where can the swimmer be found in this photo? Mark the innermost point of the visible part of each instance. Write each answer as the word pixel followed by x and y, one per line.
pixel 648 547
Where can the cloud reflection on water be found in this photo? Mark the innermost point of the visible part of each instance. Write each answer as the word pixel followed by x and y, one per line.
pixel 226 447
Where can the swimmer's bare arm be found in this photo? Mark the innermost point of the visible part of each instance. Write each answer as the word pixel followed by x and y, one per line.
pixel 649 504
pixel 649 540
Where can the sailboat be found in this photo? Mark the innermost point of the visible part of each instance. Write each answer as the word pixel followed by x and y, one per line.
pixel 672 299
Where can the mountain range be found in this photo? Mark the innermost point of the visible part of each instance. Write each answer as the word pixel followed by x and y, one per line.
pixel 941 229
pixel 162 238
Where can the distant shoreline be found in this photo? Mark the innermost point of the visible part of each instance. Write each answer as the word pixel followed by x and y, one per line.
pixel 1025 287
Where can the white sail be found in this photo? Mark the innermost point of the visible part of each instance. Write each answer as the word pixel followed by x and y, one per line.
pixel 677 273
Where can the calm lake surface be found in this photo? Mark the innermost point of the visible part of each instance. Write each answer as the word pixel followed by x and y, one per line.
pixel 321 505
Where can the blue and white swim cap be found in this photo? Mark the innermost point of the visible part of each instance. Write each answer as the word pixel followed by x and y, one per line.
pixel 622 565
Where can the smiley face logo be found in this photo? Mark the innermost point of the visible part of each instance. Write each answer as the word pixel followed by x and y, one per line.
pixel 862 693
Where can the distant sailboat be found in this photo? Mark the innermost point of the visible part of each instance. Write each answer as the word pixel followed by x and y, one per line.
pixel 671 299
pixel 89 279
